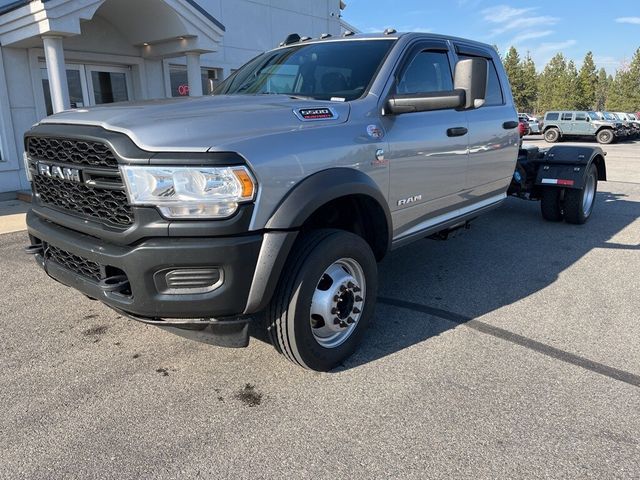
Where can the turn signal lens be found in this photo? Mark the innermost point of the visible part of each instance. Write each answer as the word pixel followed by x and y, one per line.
pixel 245 181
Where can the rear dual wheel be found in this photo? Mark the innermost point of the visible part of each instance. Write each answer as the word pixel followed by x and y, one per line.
pixel 574 205
pixel 325 299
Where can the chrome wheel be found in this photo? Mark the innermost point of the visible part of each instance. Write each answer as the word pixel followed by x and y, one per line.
pixel 589 195
pixel 338 302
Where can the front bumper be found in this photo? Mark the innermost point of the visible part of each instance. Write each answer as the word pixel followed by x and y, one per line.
pixel 236 256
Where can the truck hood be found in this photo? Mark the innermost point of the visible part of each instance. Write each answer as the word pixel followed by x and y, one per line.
pixel 203 123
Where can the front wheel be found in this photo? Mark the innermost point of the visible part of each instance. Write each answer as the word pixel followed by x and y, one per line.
pixel 578 204
pixel 325 299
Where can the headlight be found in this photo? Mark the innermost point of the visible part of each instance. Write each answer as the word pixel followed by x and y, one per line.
pixel 189 192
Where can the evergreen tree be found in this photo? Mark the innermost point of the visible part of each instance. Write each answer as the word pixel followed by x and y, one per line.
pixel 624 91
pixel 514 69
pixel 602 90
pixel 529 85
pixel 553 86
pixel 571 87
pixel 588 80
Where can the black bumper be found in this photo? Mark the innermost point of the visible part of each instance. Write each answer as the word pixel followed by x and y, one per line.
pixel 236 256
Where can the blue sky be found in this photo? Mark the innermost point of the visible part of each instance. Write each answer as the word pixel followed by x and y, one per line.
pixel 610 29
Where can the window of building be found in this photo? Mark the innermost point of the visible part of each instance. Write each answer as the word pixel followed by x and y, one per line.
pixel 211 78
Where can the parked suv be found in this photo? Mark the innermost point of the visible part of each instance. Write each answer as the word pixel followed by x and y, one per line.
pixel 560 124
pixel 534 124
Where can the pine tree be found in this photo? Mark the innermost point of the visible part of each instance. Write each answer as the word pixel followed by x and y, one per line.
pixel 553 86
pixel 571 86
pixel 602 90
pixel 588 80
pixel 529 85
pixel 624 92
pixel 513 67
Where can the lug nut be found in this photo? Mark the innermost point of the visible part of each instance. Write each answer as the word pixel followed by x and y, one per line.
pixel 343 288
pixel 336 298
pixel 356 289
pixel 358 298
pixel 337 321
pixel 356 310
pixel 350 285
pixel 350 320
pixel 343 325
pixel 334 311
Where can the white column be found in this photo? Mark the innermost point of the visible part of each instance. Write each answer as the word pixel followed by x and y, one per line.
pixel 194 77
pixel 54 55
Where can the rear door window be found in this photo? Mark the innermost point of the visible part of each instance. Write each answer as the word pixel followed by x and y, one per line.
pixel 567 116
pixel 581 117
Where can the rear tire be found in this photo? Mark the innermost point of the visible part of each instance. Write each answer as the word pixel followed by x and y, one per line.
pixel 305 317
pixel 552 135
pixel 551 205
pixel 605 136
pixel 578 204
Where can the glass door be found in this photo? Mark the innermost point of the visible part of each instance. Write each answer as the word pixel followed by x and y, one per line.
pixel 76 82
pixel 108 84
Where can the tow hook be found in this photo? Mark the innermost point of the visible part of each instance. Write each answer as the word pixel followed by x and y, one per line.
pixel 115 284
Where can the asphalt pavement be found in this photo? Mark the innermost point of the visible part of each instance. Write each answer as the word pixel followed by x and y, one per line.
pixel 508 352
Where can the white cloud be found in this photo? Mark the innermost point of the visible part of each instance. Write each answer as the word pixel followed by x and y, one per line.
pixel 508 18
pixel 517 40
pixel 555 47
pixel 631 20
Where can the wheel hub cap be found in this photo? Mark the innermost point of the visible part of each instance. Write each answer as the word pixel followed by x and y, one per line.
pixel 337 303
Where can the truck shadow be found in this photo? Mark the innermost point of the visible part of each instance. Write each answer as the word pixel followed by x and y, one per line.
pixel 507 255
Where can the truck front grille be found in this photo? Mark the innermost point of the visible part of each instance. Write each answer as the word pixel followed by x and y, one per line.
pixel 104 205
pixel 66 150
pixel 76 264
pixel 102 200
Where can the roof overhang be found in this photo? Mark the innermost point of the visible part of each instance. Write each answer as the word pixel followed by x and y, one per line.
pixel 160 27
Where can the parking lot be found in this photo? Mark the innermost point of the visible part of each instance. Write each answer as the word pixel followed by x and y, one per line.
pixel 509 352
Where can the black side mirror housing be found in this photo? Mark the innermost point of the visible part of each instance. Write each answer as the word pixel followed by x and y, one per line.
pixel 425 102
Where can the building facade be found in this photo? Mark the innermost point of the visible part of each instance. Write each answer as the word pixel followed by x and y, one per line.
pixel 61 54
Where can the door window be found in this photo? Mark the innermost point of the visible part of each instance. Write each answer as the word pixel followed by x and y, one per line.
pixel 581 117
pixel 428 72
pixel 567 116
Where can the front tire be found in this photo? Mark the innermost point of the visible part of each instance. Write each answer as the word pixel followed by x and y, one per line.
pixel 578 204
pixel 325 299
pixel 552 135
pixel 605 136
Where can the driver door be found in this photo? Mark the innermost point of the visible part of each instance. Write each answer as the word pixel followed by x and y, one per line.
pixel 428 150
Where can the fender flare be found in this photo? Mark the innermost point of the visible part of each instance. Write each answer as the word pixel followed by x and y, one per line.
pixel 320 188
pixel 571 163
pixel 281 230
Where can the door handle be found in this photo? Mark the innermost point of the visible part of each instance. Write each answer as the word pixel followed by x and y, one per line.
pixel 456 132
pixel 510 125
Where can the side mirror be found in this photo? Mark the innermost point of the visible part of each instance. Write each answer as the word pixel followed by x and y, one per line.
pixel 424 102
pixel 472 76
pixel 588 119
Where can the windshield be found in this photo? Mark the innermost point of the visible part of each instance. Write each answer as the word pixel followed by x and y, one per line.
pixel 339 71
pixel 593 116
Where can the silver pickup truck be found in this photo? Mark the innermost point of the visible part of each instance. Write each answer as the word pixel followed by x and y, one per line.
pixel 269 203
